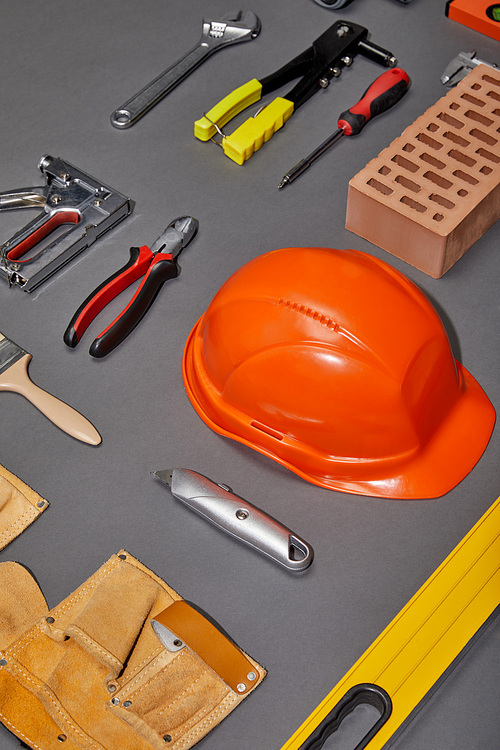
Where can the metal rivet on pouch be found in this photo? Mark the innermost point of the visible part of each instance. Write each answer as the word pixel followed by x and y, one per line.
pixel 126 704
pixel 3 662
pixel 112 687
pixel 50 620
pixel 177 642
pixel 122 557
pixel 241 687
pixel 167 738
pixel 252 676
pixel 115 701
pixel 62 738
pixel 41 504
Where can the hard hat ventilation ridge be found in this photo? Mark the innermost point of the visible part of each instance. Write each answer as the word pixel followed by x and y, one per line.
pixel 325 320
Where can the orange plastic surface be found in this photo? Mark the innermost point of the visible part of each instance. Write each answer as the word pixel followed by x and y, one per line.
pixel 335 365
pixel 477 15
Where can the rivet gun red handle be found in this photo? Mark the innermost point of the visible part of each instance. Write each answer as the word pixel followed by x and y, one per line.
pixel 383 93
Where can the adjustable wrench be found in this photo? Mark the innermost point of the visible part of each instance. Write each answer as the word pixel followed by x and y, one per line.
pixel 232 28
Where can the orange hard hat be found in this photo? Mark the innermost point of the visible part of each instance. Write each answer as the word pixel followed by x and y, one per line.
pixel 337 366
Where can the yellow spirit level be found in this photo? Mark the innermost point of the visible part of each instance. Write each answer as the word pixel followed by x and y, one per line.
pixel 419 645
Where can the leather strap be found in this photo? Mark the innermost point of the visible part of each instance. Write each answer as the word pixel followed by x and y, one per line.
pixel 209 644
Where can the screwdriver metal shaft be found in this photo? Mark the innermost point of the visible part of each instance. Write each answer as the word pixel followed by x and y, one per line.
pixel 382 94
pixel 301 167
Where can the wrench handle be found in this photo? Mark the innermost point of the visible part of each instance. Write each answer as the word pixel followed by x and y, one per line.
pixel 136 107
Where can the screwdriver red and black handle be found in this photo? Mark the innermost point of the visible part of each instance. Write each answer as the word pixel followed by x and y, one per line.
pixel 155 264
pixel 380 96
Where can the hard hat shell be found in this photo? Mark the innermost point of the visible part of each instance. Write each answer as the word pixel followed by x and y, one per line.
pixel 337 366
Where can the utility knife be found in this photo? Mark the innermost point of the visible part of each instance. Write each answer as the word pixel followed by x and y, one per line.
pixel 237 517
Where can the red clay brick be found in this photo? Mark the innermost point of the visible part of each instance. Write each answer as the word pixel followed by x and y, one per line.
pixel 436 189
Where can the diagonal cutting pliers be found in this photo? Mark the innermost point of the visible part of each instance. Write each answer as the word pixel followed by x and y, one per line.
pixel 157 264
pixel 335 49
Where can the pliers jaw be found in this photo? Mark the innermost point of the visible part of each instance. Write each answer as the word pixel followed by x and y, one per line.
pixel 175 237
pixel 316 66
pixel 86 207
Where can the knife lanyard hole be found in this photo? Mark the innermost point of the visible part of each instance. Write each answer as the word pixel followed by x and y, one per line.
pixel 297 551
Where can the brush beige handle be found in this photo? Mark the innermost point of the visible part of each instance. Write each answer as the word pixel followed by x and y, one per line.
pixel 16 379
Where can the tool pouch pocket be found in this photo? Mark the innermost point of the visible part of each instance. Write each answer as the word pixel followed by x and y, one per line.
pixel 93 673
pixel 19 506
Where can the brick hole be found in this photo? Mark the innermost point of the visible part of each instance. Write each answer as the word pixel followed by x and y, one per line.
pixel 476 86
pixel 488 155
pixel 477 117
pixel 490 79
pixel 466 177
pixel 433 161
pixel 380 187
pixel 496 112
pixel 438 180
pixel 433 126
pixel 463 193
pixel 442 201
pixel 473 100
pixel 413 204
pixel 384 170
pixel 405 163
pixel 408 184
pixel 456 139
pixel 449 120
pixel 494 95
pixel 409 147
pixel 438 217
pixel 424 138
pixel 483 137
pixel 454 105
pixel 463 158
pixel 486 170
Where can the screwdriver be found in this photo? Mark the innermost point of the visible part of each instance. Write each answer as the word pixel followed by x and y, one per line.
pixel 380 96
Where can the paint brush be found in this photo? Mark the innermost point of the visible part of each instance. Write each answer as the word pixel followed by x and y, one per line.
pixel 14 376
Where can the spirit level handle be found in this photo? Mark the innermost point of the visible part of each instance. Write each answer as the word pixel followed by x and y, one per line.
pixel 364 693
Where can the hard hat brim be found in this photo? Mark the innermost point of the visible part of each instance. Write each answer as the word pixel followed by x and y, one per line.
pixel 429 471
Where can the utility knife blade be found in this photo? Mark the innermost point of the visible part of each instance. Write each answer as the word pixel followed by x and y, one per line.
pixel 237 517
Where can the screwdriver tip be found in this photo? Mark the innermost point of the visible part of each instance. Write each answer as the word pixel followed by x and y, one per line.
pixel 283 182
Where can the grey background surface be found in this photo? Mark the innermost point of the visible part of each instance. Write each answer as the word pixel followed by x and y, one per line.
pixel 65 66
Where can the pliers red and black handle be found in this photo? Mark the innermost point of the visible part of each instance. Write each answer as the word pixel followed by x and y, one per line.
pixel 157 265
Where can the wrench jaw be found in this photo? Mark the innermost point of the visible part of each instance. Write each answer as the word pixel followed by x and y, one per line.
pixel 233 27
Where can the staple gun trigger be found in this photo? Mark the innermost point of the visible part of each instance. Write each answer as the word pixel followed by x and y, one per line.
pixel 73 202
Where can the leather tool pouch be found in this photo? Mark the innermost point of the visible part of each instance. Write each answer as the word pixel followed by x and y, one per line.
pixel 94 673
pixel 19 506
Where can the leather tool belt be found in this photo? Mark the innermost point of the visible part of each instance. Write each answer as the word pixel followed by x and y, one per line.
pixel 123 662
pixel 19 506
